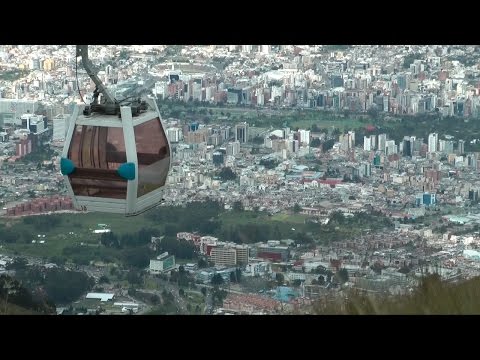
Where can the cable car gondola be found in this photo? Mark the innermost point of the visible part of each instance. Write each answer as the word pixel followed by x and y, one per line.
pixel 116 156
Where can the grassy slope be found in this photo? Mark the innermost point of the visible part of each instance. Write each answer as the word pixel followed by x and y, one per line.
pixel 13 309
pixel 284 222
pixel 58 237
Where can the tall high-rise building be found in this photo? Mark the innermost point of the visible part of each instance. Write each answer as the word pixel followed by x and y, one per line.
pixel 293 145
pixel 448 147
pixel 367 143
pixel 346 141
pixel 390 147
pixel 247 48
pixel 218 158
pixel 441 145
pixel 241 132
pixel 351 139
pixel 433 142
pixel 304 136
pixel 233 148
pixel 373 142
pixel 407 147
pixel 265 49
pixel 461 146
pixel 417 145
pixel 223 256
pixel 382 140
pixel 365 170
pixel 174 134
pixel 230 255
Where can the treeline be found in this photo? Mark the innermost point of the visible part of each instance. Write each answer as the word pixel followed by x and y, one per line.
pixel 182 249
pixel 137 257
pixel 43 222
pixel 226 174
pixel 46 286
pixel 339 228
pixel 140 238
pixel 13 292
pixel 195 216
pixel 432 297
pixel 421 125
pixel 64 286
pixel 251 233
pixel 39 223
pixel 269 164
pixel 8 236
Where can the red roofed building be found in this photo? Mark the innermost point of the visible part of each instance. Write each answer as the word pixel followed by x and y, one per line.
pixel 336 264
pixel 251 303
pixel 331 182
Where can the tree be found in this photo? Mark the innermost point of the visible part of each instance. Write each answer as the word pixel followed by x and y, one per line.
pixel 238 274
pixel 104 280
pixel 238 206
pixel 138 257
pixel 202 263
pixel 58 260
pixel 315 143
pixel 133 277
pixel 373 112
pixel 180 248
pixel 113 271
pixel 269 164
pixel 110 239
pixel 258 140
pixel 132 291
pixel 14 292
pixel 64 286
pixel 337 217
pixel 297 282
pixel 409 59
pixel 329 275
pixel 227 174
pixel 181 270
pixel 18 263
pixel 218 296
pixel 171 230
pixel 217 279
pixel 342 275
pixel 303 239
pixel 321 280
pixel 280 279
pixel 277 234
pixel 327 145
pixel 297 208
